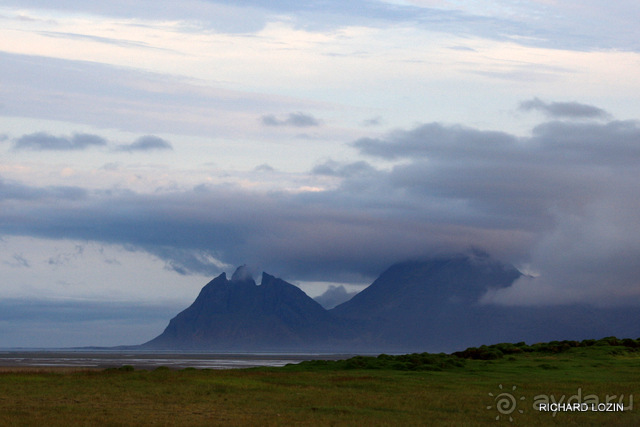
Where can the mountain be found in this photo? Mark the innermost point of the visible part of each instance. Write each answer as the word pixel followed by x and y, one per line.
pixel 416 288
pixel 333 296
pixel 425 301
pixel 239 315
pixel 414 306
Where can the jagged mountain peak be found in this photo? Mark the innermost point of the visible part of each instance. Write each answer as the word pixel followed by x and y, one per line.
pixel 239 314
pixel 266 278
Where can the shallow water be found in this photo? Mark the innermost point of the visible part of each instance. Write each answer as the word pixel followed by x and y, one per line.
pixel 150 360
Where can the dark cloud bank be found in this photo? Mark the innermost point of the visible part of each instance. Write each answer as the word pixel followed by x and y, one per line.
pixel 562 204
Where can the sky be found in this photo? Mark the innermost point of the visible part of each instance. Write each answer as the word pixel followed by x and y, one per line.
pixel 146 147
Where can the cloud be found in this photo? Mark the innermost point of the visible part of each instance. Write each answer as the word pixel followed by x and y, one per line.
pixel 374 121
pixel 18 260
pixel 522 182
pixel 106 40
pixel 61 259
pixel 15 191
pixel 524 73
pixel 571 110
pixel 434 140
pixel 293 119
pixel 42 141
pixel 264 168
pixel 146 143
pixel 561 201
pixel 463 48
pixel 333 168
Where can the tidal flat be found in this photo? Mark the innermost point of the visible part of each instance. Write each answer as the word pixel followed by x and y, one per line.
pixel 490 385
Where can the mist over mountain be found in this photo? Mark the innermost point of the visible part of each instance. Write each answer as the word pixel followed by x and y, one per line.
pixel 334 296
pixel 420 305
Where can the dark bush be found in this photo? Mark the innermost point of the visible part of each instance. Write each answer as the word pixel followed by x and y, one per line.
pixel 608 341
pixel 405 362
pixel 628 342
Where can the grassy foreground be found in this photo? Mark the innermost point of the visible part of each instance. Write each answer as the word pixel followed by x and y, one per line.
pixel 495 385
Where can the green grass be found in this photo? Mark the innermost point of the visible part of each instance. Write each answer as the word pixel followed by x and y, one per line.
pixel 420 389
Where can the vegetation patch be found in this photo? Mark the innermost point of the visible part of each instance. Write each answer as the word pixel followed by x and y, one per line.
pixel 414 389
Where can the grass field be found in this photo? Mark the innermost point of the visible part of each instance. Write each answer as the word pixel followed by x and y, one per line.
pixel 472 388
